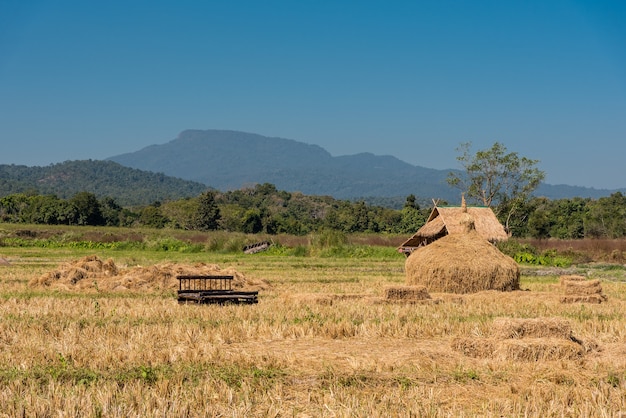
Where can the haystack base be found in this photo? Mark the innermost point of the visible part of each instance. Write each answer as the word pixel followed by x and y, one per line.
pixel 515 328
pixel 599 298
pixel 406 293
pixel 528 349
pixel 538 349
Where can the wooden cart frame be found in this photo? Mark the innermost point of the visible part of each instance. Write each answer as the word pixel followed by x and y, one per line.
pixel 212 289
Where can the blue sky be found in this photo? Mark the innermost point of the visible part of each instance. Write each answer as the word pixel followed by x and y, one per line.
pixel 413 79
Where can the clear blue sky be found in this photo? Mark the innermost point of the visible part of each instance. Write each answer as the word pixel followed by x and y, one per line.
pixel 413 79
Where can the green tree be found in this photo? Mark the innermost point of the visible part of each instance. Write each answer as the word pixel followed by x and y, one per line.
pixel 11 207
pixel 606 218
pixel 410 202
pixel 538 224
pixel 88 210
pixel 152 216
pixel 412 220
pixel 207 215
pixel 49 210
pixel 111 211
pixel 497 179
pixel 231 217
pixel 567 218
pixel 252 222
pixel 181 212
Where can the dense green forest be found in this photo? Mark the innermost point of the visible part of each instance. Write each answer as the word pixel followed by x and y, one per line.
pixel 128 186
pixel 264 209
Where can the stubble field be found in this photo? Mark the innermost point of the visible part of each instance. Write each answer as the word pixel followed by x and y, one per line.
pixel 322 341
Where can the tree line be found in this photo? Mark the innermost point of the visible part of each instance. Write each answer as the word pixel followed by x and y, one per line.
pixel 264 209
pixel 257 209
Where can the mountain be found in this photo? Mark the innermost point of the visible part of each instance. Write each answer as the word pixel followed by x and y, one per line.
pixel 128 186
pixel 228 160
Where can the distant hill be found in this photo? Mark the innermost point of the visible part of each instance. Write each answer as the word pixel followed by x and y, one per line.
pixel 227 160
pixel 128 186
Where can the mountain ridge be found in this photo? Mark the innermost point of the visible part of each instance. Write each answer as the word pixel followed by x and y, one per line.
pixel 228 160
pixel 238 162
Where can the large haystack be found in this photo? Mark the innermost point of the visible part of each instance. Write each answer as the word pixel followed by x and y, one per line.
pixel 462 263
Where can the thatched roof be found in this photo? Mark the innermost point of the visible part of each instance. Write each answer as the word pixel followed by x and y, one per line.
pixel 445 220
pixel 462 262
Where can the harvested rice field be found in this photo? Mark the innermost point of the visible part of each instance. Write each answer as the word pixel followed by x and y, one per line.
pixel 102 334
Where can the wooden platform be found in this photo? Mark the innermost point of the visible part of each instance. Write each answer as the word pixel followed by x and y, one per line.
pixel 212 289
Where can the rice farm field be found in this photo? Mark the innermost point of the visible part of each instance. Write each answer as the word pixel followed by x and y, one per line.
pixel 100 333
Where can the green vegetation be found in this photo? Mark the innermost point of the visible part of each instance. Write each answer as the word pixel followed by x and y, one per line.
pixel 525 253
pixel 128 186
pixel 260 209
pixel 263 209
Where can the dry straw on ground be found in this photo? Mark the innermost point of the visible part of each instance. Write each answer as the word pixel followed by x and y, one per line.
pixel 462 263
pixel 531 339
pixel 327 299
pixel 91 272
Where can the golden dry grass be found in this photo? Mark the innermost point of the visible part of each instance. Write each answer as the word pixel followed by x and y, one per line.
pixel 315 345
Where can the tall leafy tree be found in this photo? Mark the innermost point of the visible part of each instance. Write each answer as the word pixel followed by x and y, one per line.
pixel 496 178
pixel 152 216
pixel 411 202
pixel 606 218
pixel 88 210
pixel 208 213
pixel 111 211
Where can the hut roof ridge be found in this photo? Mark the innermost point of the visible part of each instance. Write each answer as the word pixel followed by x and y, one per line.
pixel 444 220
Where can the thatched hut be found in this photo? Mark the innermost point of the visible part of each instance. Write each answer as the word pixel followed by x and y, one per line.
pixel 445 220
pixel 462 262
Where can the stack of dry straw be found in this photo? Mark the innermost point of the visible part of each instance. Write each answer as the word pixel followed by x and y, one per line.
pixel 579 289
pixel 525 339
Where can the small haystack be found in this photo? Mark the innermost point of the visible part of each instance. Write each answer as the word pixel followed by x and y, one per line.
pixel 532 339
pixel 462 263
pixel 577 289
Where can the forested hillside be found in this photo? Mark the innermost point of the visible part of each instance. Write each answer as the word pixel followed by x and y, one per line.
pixel 128 186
